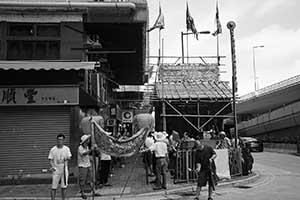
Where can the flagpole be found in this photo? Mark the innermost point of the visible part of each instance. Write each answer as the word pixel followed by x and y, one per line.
pixel 218 53
pixel 182 48
pixel 159 45
pixel 187 49
pixel 217 21
pixel 162 51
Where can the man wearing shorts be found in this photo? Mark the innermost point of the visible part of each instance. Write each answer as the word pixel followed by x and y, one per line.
pixel 205 167
pixel 84 165
pixel 59 156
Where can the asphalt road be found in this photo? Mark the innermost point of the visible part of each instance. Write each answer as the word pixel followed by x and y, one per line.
pixel 279 180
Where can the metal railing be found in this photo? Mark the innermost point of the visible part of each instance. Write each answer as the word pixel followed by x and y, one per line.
pixel 272 88
pixel 185 164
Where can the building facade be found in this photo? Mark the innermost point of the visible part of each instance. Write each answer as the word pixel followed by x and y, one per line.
pixel 58 61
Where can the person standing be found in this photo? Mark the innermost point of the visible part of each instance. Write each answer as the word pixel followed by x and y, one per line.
pixel 205 167
pixel 160 149
pixel 224 142
pixel 105 161
pixel 174 140
pixel 84 165
pixel 147 157
pixel 59 156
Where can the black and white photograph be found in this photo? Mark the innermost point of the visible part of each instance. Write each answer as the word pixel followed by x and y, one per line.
pixel 149 100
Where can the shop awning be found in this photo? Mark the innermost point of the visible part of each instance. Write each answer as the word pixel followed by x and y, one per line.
pixel 46 65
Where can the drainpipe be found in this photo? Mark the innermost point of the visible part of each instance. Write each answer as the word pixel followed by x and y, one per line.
pixel 68 4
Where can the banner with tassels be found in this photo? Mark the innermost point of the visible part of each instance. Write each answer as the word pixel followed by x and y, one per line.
pixel 119 148
pixel 143 123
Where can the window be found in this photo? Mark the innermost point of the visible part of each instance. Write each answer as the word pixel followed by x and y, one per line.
pixel 21 30
pixel 48 30
pixel 30 41
pixel 32 50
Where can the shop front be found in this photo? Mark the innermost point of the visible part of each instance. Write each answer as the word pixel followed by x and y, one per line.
pixel 30 119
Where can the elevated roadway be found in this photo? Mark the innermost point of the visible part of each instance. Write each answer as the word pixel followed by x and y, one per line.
pixel 272 113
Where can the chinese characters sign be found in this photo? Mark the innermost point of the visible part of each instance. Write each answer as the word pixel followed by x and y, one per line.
pixel 39 95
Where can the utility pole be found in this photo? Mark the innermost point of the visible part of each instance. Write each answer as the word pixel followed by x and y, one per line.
pixel 231 25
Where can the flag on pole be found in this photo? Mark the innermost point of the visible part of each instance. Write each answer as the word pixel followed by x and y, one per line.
pixel 160 21
pixel 218 23
pixel 190 22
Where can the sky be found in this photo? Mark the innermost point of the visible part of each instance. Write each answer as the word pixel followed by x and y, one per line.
pixel 271 23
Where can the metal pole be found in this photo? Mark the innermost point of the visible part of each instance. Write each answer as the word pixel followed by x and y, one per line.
pixel 218 53
pixel 198 113
pixel 162 85
pixel 231 25
pixel 159 38
pixel 254 70
pixel 187 48
pixel 94 158
pixel 162 50
pixel 163 101
pixel 254 67
pixel 182 48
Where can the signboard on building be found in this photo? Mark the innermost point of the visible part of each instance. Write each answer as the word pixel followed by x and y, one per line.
pixel 36 95
pixel 111 122
pixel 127 116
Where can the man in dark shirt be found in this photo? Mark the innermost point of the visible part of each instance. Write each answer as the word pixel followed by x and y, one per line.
pixel 205 167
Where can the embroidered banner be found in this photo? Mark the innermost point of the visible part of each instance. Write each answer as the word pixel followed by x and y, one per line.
pixel 119 148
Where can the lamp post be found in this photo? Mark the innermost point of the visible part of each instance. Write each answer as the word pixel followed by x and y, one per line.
pixel 254 69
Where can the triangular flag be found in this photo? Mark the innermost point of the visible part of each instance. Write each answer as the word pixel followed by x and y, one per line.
pixel 218 23
pixel 190 22
pixel 160 21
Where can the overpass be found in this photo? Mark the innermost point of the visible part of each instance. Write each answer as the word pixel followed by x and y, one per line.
pixel 272 113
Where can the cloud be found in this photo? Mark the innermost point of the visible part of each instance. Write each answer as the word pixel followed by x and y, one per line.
pixel 277 61
pixel 267 6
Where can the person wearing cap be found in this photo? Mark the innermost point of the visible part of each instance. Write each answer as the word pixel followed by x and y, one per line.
pixel 160 150
pixel 84 165
pixel 59 156
pixel 224 142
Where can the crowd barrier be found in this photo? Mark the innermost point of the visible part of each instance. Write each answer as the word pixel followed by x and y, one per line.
pixel 228 164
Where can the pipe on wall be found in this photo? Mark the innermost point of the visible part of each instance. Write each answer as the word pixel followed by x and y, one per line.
pixel 68 4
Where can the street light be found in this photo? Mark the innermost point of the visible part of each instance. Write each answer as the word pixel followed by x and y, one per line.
pixel 254 70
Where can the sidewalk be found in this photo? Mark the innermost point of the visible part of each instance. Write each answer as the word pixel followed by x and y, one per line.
pixel 127 183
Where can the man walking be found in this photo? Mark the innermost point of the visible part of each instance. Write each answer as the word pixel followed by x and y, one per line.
pixel 59 156
pixel 205 167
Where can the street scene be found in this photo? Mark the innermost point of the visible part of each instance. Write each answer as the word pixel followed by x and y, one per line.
pixel 157 99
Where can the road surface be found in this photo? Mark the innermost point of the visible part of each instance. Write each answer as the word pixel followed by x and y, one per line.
pixel 279 180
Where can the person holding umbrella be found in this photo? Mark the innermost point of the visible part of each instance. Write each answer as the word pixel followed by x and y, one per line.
pixel 59 156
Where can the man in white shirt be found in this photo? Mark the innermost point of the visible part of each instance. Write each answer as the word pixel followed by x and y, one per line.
pixel 84 165
pixel 160 149
pixel 148 158
pixel 59 156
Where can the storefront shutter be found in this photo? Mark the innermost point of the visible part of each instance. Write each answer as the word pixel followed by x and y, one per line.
pixel 26 136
